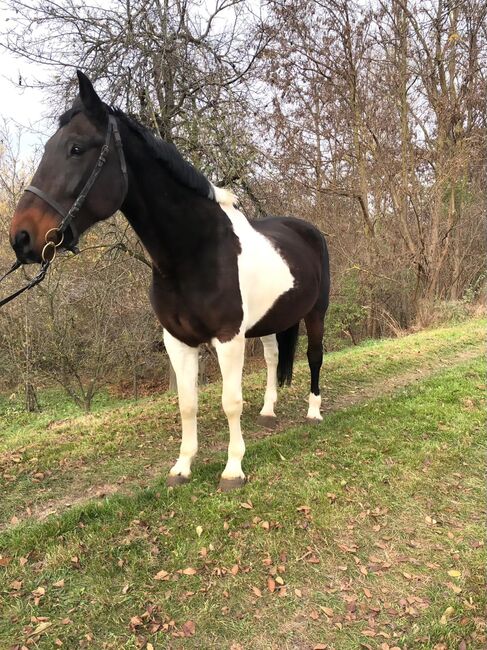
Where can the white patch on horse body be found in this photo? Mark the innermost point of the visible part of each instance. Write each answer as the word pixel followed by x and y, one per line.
pixel 263 274
pixel 314 407
pixel 223 196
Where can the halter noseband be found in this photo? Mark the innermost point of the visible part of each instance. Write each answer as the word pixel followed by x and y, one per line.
pixel 55 236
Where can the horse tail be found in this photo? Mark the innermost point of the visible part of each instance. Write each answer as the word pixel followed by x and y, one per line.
pixel 286 342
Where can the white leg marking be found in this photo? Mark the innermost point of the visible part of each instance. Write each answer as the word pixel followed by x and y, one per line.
pixel 314 407
pixel 231 358
pixel 184 360
pixel 271 353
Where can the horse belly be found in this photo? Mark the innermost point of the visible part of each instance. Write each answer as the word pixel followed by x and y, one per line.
pixel 288 310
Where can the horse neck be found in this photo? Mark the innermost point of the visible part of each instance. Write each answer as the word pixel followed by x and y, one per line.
pixel 173 222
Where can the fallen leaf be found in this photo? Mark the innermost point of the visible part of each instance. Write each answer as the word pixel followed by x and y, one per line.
pixel 199 530
pixel 189 571
pixel 247 505
pixel 162 575
pixel 42 627
pixel 14 521
pixel 39 592
pixel 271 585
pixel 447 614
pixel 298 593
pixel 257 591
pixel 234 570
pixel 189 628
pixel 59 584
pixel 328 611
pixel 320 646
pixel 136 621
pixel 454 573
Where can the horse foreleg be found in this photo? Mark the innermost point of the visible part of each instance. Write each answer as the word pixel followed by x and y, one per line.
pixel 231 358
pixel 271 354
pixel 184 360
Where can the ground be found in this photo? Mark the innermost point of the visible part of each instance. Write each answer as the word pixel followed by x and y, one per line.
pixel 365 531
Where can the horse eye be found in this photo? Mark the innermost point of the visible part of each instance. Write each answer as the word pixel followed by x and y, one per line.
pixel 76 150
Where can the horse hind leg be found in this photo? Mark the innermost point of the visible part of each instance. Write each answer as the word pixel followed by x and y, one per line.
pixel 315 328
pixel 267 416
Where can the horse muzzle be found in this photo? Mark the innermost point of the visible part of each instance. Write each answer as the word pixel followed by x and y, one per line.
pixel 23 247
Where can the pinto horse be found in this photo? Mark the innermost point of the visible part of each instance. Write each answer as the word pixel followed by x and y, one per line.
pixel 216 276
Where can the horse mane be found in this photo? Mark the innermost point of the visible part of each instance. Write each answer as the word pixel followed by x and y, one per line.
pixel 166 153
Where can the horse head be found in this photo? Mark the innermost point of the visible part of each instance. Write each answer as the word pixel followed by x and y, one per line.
pixel 81 179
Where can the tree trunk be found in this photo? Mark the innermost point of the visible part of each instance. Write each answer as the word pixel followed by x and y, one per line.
pixel 31 401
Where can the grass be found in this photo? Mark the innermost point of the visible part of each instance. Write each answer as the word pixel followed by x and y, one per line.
pixel 360 532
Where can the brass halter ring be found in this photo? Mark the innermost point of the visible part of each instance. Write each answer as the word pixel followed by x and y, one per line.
pixel 51 245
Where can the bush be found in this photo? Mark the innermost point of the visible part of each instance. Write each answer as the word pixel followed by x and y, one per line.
pixel 346 313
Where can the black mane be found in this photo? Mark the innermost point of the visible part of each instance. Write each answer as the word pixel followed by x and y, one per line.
pixel 165 152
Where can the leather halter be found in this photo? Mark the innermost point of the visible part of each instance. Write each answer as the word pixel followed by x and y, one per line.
pixel 69 216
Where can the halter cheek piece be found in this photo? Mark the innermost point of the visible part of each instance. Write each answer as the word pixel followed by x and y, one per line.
pixel 55 236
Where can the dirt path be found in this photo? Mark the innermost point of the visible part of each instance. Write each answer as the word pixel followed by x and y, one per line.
pixel 79 491
pixel 380 388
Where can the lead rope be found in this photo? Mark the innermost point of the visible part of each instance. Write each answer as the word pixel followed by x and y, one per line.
pixel 32 283
pixel 13 268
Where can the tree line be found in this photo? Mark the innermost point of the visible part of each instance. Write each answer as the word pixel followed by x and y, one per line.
pixel 367 119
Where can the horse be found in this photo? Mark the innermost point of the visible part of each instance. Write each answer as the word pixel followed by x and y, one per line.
pixel 216 276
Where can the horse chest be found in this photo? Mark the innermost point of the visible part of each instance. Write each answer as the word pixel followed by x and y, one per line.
pixel 197 313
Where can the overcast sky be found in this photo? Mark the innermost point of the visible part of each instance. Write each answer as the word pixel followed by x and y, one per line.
pixel 20 106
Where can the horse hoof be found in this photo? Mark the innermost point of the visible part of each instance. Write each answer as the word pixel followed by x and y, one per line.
pixel 314 421
pixel 178 479
pixel 228 484
pixel 267 421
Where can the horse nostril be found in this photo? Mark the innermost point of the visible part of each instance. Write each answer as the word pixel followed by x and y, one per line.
pixel 22 240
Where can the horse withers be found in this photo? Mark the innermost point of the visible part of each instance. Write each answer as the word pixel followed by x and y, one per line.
pixel 216 276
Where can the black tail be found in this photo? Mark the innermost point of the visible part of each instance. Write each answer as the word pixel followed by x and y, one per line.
pixel 286 342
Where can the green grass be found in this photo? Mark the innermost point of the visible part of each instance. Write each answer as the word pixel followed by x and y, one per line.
pixel 357 521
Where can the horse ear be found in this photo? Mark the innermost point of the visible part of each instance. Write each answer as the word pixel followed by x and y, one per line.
pixel 90 100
